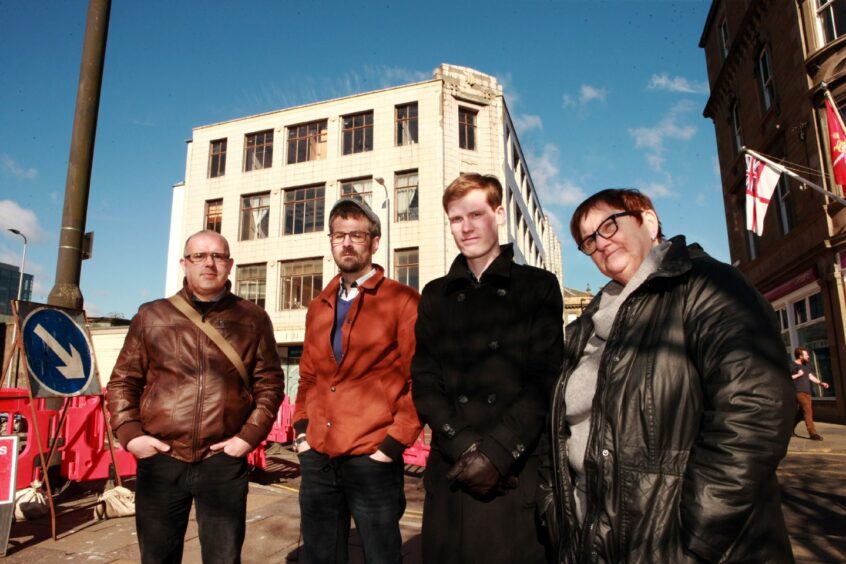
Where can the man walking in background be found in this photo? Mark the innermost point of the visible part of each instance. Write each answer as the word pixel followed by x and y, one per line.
pixel 802 379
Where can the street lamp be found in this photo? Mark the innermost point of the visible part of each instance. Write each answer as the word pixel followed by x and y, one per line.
pixel 20 289
pixel 381 181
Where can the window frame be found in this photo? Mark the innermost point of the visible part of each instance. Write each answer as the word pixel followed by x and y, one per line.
pixel 414 202
pixel 314 206
pixel 736 126
pixel 409 271
pixel 766 80
pixel 265 148
pixel 217 224
pixel 348 189
pixel 827 6
pixel 217 158
pixel 784 210
pixel 355 131
pixel 313 141
pixel 254 283
pixel 314 289
pixel 467 129
pixel 725 38
pixel 411 120
pixel 256 233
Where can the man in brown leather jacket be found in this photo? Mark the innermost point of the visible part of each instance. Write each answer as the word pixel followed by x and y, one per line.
pixel 182 407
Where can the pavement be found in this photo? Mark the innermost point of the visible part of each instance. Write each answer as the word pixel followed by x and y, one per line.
pixel 812 475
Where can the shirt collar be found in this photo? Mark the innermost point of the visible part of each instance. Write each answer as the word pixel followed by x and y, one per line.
pixel 353 292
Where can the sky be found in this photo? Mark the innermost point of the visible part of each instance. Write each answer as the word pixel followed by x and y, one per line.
pixel 603 94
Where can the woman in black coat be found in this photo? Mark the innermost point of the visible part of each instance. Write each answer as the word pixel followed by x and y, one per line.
pixel 674 407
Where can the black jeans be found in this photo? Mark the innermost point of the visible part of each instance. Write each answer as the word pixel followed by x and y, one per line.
pixel 164 490
pixel 331 490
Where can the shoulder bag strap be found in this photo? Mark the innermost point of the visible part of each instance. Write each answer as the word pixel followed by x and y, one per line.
pixel 183 306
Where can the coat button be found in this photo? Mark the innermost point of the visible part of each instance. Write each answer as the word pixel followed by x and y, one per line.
pixel 461 297
pixel 328 423
pixel 501 292
pixel 332 389
pixel 448 430
pixel 605 452
pixel 462 399
pixel 493 345
pixel 492 398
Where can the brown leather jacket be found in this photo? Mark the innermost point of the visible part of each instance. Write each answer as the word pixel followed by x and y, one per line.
pixel 170 381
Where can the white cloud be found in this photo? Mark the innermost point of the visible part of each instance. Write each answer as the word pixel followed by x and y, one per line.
pixel 386 76
pixel 676 84
pixel 587 94
pixel 527 122
pixel 658 190
pixel 546 176
pixel 15 169
pixel 13 216
pixel 508 90
pixel 671 126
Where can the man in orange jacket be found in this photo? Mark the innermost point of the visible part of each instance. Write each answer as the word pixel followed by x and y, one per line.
pixel 354 414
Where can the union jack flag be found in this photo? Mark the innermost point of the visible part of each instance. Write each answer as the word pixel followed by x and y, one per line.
pixel 761 180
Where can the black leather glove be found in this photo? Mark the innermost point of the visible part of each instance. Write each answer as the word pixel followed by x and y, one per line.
pixel 476 471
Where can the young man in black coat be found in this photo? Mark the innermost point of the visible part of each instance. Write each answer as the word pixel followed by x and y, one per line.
pixel 489 346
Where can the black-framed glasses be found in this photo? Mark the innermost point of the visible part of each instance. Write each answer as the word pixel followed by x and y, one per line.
pixel 606 230
pixel 200 258
pixel 337 237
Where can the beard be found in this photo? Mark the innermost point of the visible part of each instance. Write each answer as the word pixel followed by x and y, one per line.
pixel 351 262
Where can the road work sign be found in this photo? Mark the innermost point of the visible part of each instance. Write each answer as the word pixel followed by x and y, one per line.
pixel 58 351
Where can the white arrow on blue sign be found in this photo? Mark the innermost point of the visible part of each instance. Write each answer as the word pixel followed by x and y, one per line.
pixel 58 353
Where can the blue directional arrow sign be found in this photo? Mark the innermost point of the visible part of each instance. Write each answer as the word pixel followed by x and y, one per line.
pixel 58 353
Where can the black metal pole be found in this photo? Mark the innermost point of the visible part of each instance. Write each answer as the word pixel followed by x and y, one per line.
pixel 66 292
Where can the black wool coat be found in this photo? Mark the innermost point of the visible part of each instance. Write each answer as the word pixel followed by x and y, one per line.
pixel 488 353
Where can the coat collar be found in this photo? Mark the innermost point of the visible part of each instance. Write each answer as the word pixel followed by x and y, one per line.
pixel 369 286
pixel 459 272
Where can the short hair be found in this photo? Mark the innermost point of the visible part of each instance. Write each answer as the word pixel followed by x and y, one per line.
pixel 797 352
pixel 348 208
pixel 205 232
pixel 469 181
pixel 626 199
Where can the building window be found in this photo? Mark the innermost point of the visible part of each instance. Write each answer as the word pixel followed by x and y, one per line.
pixel 360 189
pixel 515 158
pixel 786 216
pixel 214 215
pixel 358 133
pixel 831 17
pixel 406 116
pixel 304 209
pixel 258 150
pixel 251 282
pixel 765 76
pixel 217 158
pixel 307 142
pixel 300 281
pixel 467 128
pixel 724 38
pixel 406 267
pixel 406 195
pixel 255 216
pixel 736 128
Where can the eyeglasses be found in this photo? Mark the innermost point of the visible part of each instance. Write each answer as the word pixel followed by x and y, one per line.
pixel 337 237
pixel 606 230
pixel 200 258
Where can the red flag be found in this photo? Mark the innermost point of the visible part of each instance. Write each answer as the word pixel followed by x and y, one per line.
pixel 837 142
pixel 761 180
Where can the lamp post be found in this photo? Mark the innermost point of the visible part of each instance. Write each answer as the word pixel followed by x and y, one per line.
pixel 20 289
pixel 381 181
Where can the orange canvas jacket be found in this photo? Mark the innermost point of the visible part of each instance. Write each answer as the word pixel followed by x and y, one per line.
pixel 364 403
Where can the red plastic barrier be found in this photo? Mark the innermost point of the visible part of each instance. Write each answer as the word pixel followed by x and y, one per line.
pixel 283 430
pixel 418 453
pixel 17 408
pixel 85 454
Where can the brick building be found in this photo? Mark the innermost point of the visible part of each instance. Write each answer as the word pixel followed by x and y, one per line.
pixel 767 60
pixel 266 182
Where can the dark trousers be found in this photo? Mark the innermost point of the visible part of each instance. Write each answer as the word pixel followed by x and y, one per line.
pixel 805 411
pixel 164 490
pixel 332 490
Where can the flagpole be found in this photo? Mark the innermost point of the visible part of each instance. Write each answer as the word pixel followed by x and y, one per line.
pixel 833 105
pixel 793 175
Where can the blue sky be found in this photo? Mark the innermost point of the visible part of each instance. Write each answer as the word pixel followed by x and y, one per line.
pixel 603 94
